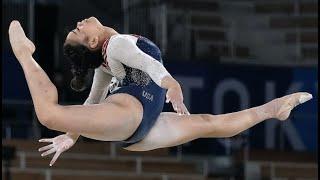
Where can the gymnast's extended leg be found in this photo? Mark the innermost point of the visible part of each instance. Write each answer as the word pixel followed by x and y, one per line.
pixel 172 129
pixel 96 121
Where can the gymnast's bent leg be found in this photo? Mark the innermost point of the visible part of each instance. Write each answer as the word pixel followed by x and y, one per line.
pixel 115 119
pixel 172 129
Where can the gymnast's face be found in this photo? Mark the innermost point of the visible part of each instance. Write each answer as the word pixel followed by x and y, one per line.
pixel 86 33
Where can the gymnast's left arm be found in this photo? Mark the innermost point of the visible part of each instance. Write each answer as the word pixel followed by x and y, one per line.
pixel 125 51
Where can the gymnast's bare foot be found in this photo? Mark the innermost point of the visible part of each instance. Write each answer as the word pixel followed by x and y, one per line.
pixel 20 44
pixel 280 108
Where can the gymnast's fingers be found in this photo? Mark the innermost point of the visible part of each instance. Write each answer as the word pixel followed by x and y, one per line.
pixel 179 111
pixel 184 109
pixel 55 157
pixel 46 140
pixel 167 100
pixel 177 108
pixel 174 105
pixel 48 152
pixel 46 147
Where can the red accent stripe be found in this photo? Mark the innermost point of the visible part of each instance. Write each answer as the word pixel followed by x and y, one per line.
pixel 104 52
pixel 104 65
pixel 135 35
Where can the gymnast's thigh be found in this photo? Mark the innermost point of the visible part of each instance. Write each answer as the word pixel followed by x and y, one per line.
pixel 115 119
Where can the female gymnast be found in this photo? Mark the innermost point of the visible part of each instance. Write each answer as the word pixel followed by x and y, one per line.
pixel 131 112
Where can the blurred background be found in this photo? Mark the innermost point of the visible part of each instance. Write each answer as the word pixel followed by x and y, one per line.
pixel 228 55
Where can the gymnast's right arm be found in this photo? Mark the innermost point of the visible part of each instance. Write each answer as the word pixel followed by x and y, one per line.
pixel 98 92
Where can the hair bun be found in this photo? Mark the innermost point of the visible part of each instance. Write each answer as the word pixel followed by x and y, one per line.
pixel 78 84
pixel 81 60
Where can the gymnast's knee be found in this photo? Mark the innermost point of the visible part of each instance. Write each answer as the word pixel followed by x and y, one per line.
pixel 46 115
pixel 207 117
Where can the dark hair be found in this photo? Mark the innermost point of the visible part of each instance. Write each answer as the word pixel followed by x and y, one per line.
pixel 81 60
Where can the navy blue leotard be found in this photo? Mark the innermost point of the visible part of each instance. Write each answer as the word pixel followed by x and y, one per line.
pixel 142 87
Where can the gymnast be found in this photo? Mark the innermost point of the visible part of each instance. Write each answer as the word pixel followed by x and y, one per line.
pixel 130 86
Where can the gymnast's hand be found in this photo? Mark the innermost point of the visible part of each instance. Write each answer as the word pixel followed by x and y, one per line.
pixel 175 96
pixel 58 144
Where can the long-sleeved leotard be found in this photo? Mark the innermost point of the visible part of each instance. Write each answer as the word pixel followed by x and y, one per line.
pixel 100 86
pixel 118 51
pixel 122 50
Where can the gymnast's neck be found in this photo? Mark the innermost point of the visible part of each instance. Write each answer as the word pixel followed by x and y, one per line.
pixel 106 33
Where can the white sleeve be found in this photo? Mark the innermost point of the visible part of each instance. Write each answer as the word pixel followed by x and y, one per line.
pixel 99 88
pixel 125 50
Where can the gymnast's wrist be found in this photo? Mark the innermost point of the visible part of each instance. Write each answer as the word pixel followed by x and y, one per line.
pixel 169 82
pixel 175 86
